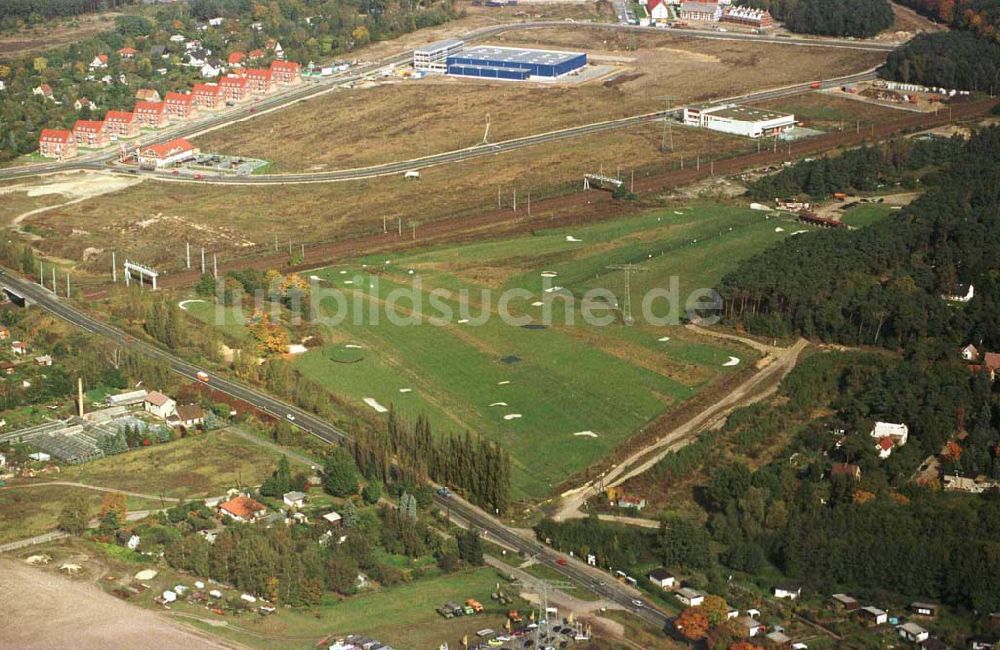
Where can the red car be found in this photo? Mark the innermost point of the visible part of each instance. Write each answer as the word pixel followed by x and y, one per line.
pixel 561 562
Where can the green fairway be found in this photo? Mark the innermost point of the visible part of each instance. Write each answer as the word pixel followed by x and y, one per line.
pixel 867 214
pixel 559 393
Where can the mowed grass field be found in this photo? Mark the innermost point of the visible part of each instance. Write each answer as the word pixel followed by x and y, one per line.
pixel 408 119
pixel 578 389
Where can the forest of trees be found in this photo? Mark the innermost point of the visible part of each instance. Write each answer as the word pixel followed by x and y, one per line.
pixel 981 17
pixel 947 59
pixel 857 18
pixel 35 11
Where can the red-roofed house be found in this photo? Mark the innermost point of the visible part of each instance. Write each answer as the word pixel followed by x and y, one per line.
pixel 147 95
pixel 846 469
pixel 45 90
pixel 151 115
pixel 208 96
pixel 285 73
pixel 57 143
pixel 235 59
pixel 180 106
pixel 884 447
pixel 100 61
pixel 127 52
pixel 259 81
pixel 242 508
pixel 91 133
pixel 82 103
pixel 167 153
pixel 121 124
pixel 256 55
pixel 233 88
pixel 658 10
pixel 992 361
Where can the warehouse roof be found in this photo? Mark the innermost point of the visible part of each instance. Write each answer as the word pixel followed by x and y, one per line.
pixel 745 113
pixel 439 46
pixel 517 55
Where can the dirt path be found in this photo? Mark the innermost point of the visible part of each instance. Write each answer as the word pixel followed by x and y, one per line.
pixel 630 521
pixel 45 610
pixel 757 387
pixel 96 488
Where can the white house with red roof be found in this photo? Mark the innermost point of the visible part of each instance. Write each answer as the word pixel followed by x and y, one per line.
pixel 888 435
pixel 243 509
pixel 100 62
pixel 286 73
pixel 45 90
pixel 235 59
pixel 91 133
pixel 127 52
pixel 57 143
pixel 121 124
pixel 167 153
pixel 180 106
pixel 159 405
pixel 151 115
pixel 259 81
pixel 659 10
pixel 208 96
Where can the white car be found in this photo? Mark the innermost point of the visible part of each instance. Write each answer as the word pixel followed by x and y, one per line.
pixel 637 603
pixel 291 418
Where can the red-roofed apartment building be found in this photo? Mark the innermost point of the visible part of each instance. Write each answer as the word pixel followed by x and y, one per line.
pixel 235 59
pixel 208 96
pixel 233 88
pixel 121 124
pixel 285 73
pixel 151 115
pixel 259 81
pixel 57 143
pixel 242 508
pixel 180 106
pixel 168 153
pixel 91 133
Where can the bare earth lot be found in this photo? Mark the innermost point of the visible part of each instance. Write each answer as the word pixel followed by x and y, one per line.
pixel 44 610
pixel 54 34
pixel 408 119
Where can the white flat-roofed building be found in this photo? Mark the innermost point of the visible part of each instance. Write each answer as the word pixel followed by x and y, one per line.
pixel 433 57
pixel 739 120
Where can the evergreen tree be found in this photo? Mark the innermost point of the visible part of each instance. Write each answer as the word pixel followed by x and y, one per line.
pixel 340 474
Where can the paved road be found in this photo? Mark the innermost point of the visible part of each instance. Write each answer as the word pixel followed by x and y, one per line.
pixel 573 569
pixel 314 88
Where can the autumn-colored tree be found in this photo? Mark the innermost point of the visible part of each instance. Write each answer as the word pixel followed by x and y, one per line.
pixel 715 609
pixel 272 338
pixel 693 623
pixel 952 451
pixel 863 496
pixel 114 502
pixel 744 645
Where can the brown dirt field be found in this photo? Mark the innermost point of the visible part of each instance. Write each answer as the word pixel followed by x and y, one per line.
pixel 907 20
pixel 408 119
pixel 46 610
pixel 54 34
pixel 152 220
pixel 826 111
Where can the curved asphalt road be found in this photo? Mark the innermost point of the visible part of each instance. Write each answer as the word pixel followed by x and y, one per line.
pixel 571 568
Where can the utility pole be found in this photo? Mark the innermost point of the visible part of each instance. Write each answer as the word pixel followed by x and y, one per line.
pixel 383 225
pixel 400 221
pixel 629 268
pixel 668 127
pixel 67 284
pixel 114 268
pixel 303 253
pixel 275 242
pixel 41 273
pixel 187 253
pixel 529 204
pixel 215 267
pixel 486 134
pixel 55 289
pixel 631 187
pixel 515 199
pixel 203 260
pixel 498 197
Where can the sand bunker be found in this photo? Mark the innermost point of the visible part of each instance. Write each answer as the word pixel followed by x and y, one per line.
pixel 779 229
pixel 406 390
pixel 370 401
pixel 733 361
pixel 184 303
pixel 145 574
pixel 499 404
pixel 353 346
pixel 503 383
pixel 537 303
pixel 663 339
pixel 571 238
pixel 586 434
pixel 512 416
pixel 549 274
pixel 296 348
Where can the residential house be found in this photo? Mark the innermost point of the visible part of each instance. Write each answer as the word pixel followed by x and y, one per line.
pixel 888 435
pixel 44 360
pixel 630 502
pixel 45 90
pixel 872 615
pixel 56 143
pixel 233 88
pixel 190 415
pixel 787 590
pixel 992 361
pixel 884 447
pixel 294 499
pixel 256 55
pixel 159 405
pixel 168 153
pixel 286 73
pixel 212 69
pixel 147 95
pixel 929 610
pixel 100 62
pixel 91 133
pixel 235 59
pixel 121 124
pixel 845 602
pixel 970 353
pixel 4 333
pixel 215 22
pixel 151 115
pixel 778 639
pixel 659 10
pixel 700 11
pixel 981 642
pixel 333 518
pixel 177 38
pixel 749 627
pixel 962 484
pixel 259 81
pixel 913 632
pixel 19 347
pixel 748 17
pixel 158 51
pixel 7 367
pixel 846 469
pixel 662 578
pixel 82 103
pixel 960 293
pixel 279 52
pixel 208 96
pixel 180 106
pixel 197 57
pixel 127 53
pixel 690 597
pixel 243 509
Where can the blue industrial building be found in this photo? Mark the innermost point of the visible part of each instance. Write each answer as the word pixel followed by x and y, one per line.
pixel 513 63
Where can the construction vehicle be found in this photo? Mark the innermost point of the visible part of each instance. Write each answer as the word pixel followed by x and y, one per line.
pixel 475 605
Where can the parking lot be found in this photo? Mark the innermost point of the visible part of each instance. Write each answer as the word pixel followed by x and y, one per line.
pixel 229 165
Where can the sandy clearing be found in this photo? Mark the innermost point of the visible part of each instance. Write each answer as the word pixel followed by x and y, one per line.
pixel 44 610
